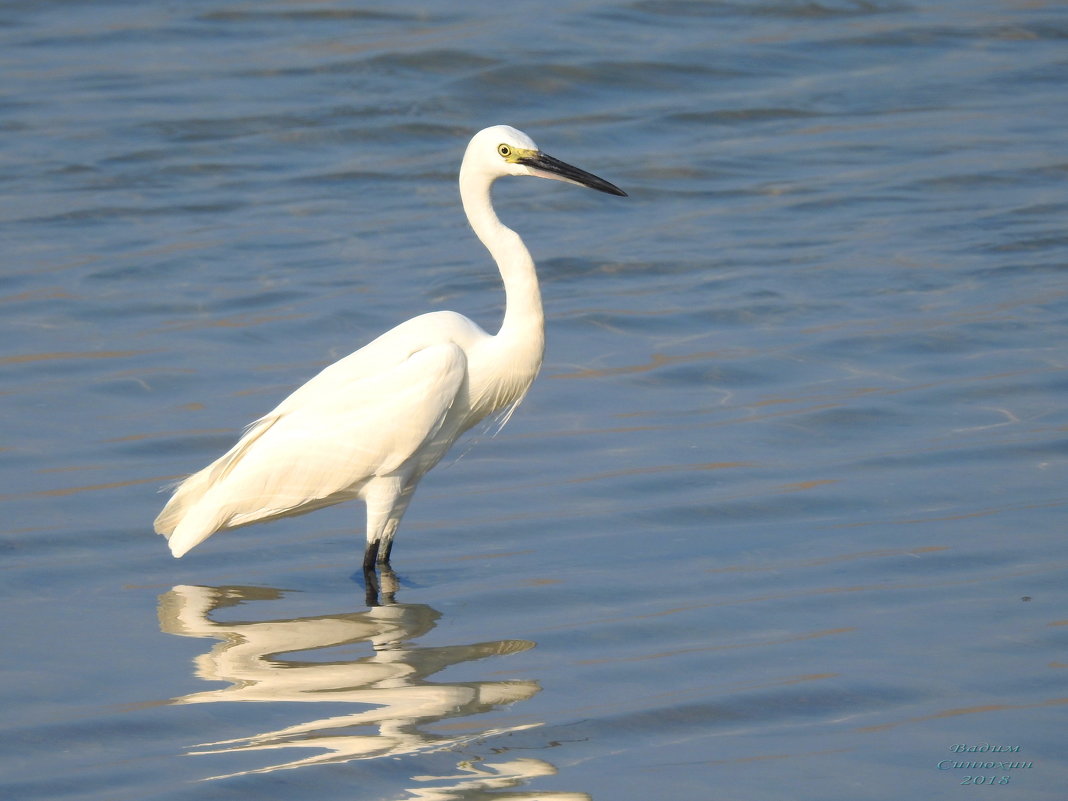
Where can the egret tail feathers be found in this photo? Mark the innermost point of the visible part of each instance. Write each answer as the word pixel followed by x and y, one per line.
pixel 189 493
pixel 187 519
pixel 185 495
pixel 196 525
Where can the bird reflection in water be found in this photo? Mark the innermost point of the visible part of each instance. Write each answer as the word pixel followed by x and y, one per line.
pixel 397 705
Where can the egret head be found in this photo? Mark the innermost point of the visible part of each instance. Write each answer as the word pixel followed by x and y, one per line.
pixel 503 150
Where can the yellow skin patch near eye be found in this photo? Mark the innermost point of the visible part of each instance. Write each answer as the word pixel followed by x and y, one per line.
pixel 514 154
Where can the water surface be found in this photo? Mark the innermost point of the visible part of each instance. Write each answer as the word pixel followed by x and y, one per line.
pixel 781 519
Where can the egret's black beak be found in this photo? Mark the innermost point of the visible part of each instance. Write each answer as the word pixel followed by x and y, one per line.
pixel 561 171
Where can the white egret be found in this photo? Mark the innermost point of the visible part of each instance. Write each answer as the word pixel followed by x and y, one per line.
pixel 371 425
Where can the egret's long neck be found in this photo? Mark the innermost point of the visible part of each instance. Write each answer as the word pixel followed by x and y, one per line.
pixel 524 320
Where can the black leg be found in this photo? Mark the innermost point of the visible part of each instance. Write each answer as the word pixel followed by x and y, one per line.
pixel 370 556
pixel 376 558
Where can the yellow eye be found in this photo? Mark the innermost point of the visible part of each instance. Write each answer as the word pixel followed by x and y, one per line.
pixel 504 150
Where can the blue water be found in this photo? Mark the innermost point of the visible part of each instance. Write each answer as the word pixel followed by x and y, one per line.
pixel 782 518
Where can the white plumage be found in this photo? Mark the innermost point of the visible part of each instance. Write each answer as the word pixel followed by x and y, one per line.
pixel 372 424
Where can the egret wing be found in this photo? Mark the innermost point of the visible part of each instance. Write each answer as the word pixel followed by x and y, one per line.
pixel 374 360
pixel 331 445
pixel 323 450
